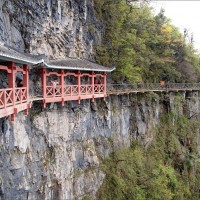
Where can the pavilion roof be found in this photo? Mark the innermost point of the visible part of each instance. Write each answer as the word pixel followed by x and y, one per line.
pixel 10 54
pixel 77 64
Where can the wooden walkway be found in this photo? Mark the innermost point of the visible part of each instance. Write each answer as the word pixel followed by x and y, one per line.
pixel 22 102
pixel 117 89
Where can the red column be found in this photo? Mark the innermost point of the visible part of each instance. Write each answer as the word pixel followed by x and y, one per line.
pixel 104 85
pixel 26 80
pixel 44 85
pixel 62 83
pixel 79 86
pixel 92 82
pixel 26 84
pixel 11 76
pixel 11 85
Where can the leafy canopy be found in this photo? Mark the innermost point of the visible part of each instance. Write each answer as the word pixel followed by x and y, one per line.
pixel 142 46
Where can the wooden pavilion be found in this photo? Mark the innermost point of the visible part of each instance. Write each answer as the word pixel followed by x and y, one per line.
pixel 62 80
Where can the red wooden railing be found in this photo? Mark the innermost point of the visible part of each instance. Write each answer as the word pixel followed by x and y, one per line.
pixel 78 91
pixel 85 89
pixel 99 89
pixel 10 97
pixel 72 90
pixel 6 98
pixel 15 100
pixel 21 95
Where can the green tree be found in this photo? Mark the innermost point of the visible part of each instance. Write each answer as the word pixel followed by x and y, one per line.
pixel 142 46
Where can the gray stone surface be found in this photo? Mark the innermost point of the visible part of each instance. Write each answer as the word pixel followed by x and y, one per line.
pixel 55 154
pixel 54 27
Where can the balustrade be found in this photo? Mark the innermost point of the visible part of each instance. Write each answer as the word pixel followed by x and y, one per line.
pixel 140 87
pixel 7 98
pixel 72 90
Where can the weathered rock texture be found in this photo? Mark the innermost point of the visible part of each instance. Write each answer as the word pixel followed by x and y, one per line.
pixel 57 28
pixel 55 154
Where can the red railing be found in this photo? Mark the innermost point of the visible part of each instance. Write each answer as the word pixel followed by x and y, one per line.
pixel 52 91
pixel 10 97
pixel 20 95
pixel 98 89
pixel 86 89
pixel 73 90
pixel 148 87
pixel 6 98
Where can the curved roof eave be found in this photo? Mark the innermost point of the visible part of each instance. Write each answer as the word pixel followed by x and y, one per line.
pixel 76 68
pixel 16 59
pixel 11 54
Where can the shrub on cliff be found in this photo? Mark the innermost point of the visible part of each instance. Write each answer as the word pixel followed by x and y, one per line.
pixel 168 169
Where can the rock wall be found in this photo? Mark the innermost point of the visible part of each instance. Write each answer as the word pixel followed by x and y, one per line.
pixel 57 28
pixel 55 153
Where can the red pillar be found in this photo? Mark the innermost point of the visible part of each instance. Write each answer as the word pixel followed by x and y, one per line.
pixel 44 85
pixel 11 85
pixel 26 84
pixel 62 83
pixel 92 82
pixel 26 80
pixel 11 76
pixel 104 85
pixel 79 86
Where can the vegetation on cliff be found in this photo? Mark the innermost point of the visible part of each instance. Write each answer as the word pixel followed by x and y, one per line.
pixel 144 47
pixel 149 48
pixel 168 169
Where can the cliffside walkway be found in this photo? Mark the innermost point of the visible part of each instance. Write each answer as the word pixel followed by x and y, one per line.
pixel 118 89
pixel 23 102
pixel 61 80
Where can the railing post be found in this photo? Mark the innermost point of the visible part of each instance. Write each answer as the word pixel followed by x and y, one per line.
pixel 11 79
pixel 26 81
pixel 79 86
pixel 11 84
pixel 26 85
pixel 4 98
pixel 20 95
pixel 104 85
pixel 92 83
pixel 44 86
pixel 62 83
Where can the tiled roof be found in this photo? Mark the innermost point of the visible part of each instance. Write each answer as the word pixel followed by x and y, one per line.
pixel 9 54
pixel 77 64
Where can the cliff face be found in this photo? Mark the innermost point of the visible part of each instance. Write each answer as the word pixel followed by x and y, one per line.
pixel 56 28
pixel 55 154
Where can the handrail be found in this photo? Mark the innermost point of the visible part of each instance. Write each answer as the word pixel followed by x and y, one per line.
pixel 71 90
pixel 151 87
pixel 6 96
pixel 13 100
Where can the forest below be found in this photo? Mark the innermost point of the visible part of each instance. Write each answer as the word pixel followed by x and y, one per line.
pixel 167 169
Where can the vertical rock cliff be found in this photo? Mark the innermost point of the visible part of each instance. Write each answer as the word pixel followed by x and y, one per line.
pixel 52 27
pixel 55 154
